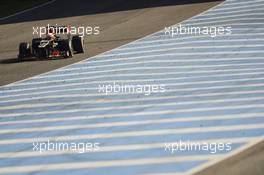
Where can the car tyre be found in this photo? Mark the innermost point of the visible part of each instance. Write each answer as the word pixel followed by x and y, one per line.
pixel 78 44
pixel 24 51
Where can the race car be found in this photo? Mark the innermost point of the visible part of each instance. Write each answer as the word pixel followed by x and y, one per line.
pixel 53 45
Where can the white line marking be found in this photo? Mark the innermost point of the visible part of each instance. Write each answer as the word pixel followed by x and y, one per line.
pixel 167 91
pixel 238 7
pixel 85 117
pixel 229 16
pixel 104 82
pixel 65 84
pixel 227 3
pixel 178 41
pixel 134 134
pixel 191 23
pixel 24 154
pixel 101 164
pixel 137 123
pixel 221 73
pixel 240 46
pixel 68 80
pixel 233 11
pixel 157 55
pixel 63 111
pixel 230 41
pixel 219 159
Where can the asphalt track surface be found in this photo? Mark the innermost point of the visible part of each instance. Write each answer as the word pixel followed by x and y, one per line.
pixel 239 165
pixel 120 22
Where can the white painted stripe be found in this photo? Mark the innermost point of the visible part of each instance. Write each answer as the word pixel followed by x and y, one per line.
pixel 234 8
pixel 227 3
pixel 221 73
pixel 162 34
pixel 241 46
pixel 63 111
pixel 158 41
pixel 179 61
pixel 167 91
pixel 101 164
pixel 229 41
pixel 233 11
pixel 39 105
pixel 134 134
pixel 131 147
pixel 219 159
pixel 85 68
pixel 158 55
pixel 228 16
pixel 220 21
pixel 248 24
pixel 84 117
pixel 141 122
pixel 216 160
pixel 43 86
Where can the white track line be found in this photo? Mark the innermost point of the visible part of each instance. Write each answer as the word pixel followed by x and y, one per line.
pixel 219 159
pixel 221 73
pixel 85 117
pixel 242 46
pixel 134 134
pixel 229 16
pixel 68 80
pixel 235 8
pixel 65 84
pixel 227 3
pixel 136 123
pixel 130 107
pixel 167 91
pixel 88 102
pixel 101 164
pixel 182 43
pixel 191 23
pixel 131 147
pixel 127 74
pixel 162 34
pixel 178 40
pixel 155 55
pixel 233 11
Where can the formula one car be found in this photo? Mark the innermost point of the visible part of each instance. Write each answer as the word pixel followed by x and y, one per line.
pixel 52 45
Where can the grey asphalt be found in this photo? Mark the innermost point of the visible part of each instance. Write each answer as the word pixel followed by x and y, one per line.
pixel 120 22
pixel 249 162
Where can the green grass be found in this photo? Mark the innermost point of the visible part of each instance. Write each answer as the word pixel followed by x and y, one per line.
pixel 9 7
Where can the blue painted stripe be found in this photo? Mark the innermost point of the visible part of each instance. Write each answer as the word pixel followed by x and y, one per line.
pixel 207 80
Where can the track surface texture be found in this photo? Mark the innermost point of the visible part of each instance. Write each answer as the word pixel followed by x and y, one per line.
pixel 120 22
pixel 213 95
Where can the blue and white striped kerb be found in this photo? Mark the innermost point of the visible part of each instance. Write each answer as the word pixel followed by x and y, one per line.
pixel 214 94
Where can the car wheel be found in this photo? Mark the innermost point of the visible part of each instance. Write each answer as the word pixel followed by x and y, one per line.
pixel 78 44
pixel 24 51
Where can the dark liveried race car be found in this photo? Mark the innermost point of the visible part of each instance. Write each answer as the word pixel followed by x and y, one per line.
pixel 53 45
